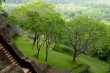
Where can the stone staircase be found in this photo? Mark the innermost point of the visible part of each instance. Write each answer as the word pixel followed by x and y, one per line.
pixel 12 59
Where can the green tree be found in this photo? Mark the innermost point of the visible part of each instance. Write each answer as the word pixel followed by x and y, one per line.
pixel 103 52
pixel 31 18
pixel 82 33
pixel 52 23
pixel 34 25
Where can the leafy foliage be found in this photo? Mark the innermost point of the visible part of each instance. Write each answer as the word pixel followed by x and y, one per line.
pixel 103 52
pixel 40 19
pixel 79 34
pixel 1 9
pixel 82 33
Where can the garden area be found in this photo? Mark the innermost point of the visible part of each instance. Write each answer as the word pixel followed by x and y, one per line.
pixel 64 35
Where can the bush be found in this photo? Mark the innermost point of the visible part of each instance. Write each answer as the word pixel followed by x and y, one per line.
pixel 63 49
pixel 1 9
pixel 104 54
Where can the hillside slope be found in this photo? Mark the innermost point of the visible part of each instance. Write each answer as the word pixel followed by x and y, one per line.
pixel 61 60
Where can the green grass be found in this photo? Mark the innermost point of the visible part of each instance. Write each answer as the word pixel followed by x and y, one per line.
pixel 61 60
pixel 96 65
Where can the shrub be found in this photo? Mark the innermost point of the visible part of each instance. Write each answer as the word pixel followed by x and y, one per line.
pixel 1 9
pixel 104 54
pixel 63 49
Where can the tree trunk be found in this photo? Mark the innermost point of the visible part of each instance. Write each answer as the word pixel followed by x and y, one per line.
pixel 37 43
pixel 74 56
pixel 46 50
pixel 46 54
pixel 38 53
pixel 34 41
pixel 38 48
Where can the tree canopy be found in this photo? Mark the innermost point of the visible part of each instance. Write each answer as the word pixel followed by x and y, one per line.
pixel 82 33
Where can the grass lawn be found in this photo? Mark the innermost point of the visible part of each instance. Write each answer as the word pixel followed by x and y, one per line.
pixel 61 60
pixel 96 65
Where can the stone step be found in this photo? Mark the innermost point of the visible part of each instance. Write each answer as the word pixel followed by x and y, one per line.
pixel 15 62
pixel 9 55
pixel 1 47
pixel 17 65
pixel 12 60
pixel 26 70
pixel 29 72
pixel 6 51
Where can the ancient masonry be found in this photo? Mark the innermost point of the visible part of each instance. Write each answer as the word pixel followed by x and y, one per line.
pixel 12 53
pixel 15 56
